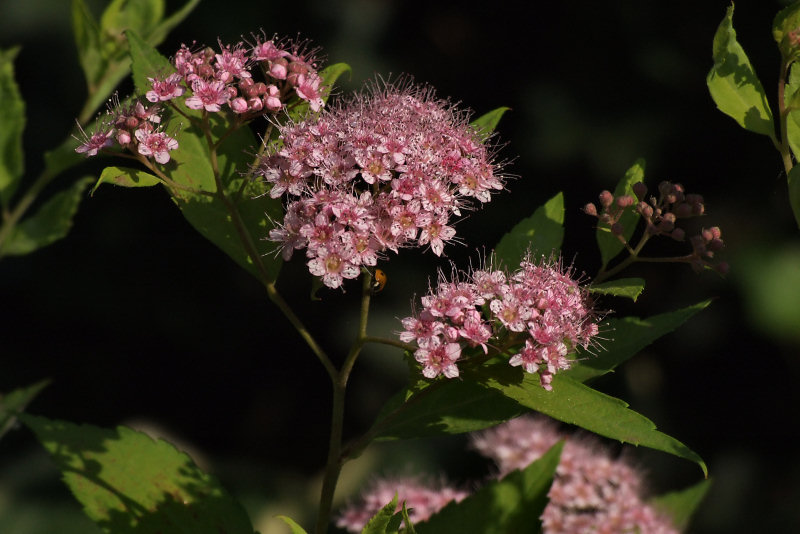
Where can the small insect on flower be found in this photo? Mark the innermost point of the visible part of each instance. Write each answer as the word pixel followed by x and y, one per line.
pixel 379 280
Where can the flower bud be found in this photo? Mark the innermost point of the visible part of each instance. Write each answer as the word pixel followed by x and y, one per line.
pixel 590 209
pixel 683 210
pixel 606 199
pixel 645 210
pixel 640 190
pixel 625 201
pixel 617 229
pixel 678 234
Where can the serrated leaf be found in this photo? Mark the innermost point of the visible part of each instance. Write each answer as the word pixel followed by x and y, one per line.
pixel 444 407
pixel 15 402
pixel 793 181
pixel 128 482
pixel 487 123
pixel 12 124
pixel 733 83
pixel 145 62
pixel 513 504
pixel 125 177
pixel 541 233
pixel 137 15
pixel 681 505
pixel 609 244
pixel 293 526
pixel 577 404
pixel 379 523
pixel 50 223
pixel 629 288
pixel 629 335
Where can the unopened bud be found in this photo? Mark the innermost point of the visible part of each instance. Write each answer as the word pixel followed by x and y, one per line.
pixel 590 209
pixel 606 198
pixel 722 268
pixel 645 210
pixel 640 190
pixel 683 210
pixel 617 229
pixel 715 245
pixel 625 201
pixel 678 234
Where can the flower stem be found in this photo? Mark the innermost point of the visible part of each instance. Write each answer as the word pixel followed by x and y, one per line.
pixel 336 460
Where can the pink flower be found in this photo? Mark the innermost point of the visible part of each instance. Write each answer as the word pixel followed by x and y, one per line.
pixel 103 137
pixel 165 90
pixel 156 144
pixel 333 266
pixel 422 500
pixel 208 95
pixel 440 358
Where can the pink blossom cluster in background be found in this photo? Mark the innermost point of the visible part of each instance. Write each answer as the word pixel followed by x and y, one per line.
pixel 210 81
pixel 388 168
pixel 591 491
pixel 422 499
pixel 538 309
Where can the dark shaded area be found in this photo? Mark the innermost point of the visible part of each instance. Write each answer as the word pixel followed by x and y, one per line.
pixel 134 315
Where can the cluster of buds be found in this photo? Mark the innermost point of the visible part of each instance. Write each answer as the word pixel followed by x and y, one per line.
pixel 384 170
pixel 539 311
pixel 421 498
pixel 661 216
pixel 208 80
pixel 591 491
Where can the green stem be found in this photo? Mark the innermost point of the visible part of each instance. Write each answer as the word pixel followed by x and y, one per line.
pixel 336 459
pixel 782 144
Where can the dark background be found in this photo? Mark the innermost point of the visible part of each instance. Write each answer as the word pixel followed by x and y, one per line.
pixel 138 320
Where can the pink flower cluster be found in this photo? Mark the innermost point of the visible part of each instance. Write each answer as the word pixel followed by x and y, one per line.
pixel 134 127
pixel 225 78
pixel 421 499
pixel 591 491
pixel 214 80
pixel 538 309
pixel 386 169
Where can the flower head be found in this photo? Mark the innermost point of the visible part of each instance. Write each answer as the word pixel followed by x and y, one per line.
pixel 422 500
pixel 389 168
pixel 591 491
pixel 539 312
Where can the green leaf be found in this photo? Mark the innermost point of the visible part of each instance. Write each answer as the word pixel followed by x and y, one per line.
pixel 145 62
pixel 293 526
pixel 15 402
pixel 381 522
pixel 444 407
pixel 609 244
pixel 160 32
pixel 12 124
pixel 629 288
pixel 793 179
pixel 577 404
pixel 88 41
pixel 129 483
pixel 541 233
pixel 125 177
pixel 734 85
pixel 786 21
pixel 137 15
pixel 487 123
pixel 680 505
pixel 629 336
pixel 513 504
pixel 50 223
